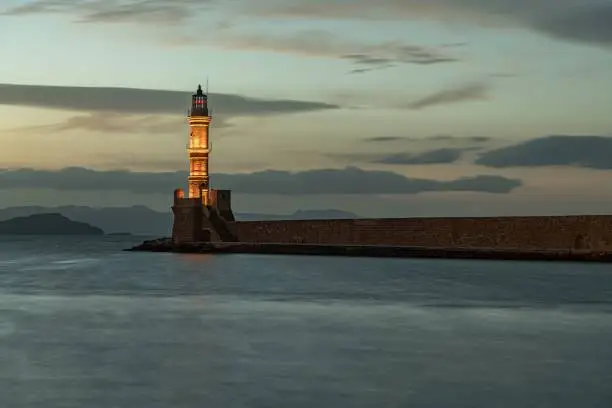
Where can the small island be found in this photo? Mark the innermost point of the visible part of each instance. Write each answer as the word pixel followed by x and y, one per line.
pixel 47 224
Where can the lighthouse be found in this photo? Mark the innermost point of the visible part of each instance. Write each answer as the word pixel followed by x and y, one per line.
pixel 205 214
pixel 198 148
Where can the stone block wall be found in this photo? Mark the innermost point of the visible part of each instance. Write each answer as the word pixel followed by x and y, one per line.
pixel 187 221
pixel 563 232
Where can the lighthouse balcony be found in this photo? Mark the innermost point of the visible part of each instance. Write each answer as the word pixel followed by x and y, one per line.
pixel 200 121
pixel 197 149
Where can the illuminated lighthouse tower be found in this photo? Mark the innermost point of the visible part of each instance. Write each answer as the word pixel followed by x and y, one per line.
pixel 206 214
pixel 199 146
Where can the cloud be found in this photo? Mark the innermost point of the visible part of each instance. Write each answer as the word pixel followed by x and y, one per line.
pixel 594 152
pixel 306 43
pixel 112 122
pixel 436 156
pixel 586 21
pixel 394 53
pixel 309 43
pixel 323 44
pixel 444 155
pixel 583 21
pixel 367 63
pixel 350 180
pixel 115 11
pixel 144 101
pixel 437 138
pixel 386 139
pixel 464 93
pixel 159 162
pixel 471 139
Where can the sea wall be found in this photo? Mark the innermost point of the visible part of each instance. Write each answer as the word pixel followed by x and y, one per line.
pixel 563 232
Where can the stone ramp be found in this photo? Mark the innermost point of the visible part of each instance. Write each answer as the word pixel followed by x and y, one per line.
pixel 220 226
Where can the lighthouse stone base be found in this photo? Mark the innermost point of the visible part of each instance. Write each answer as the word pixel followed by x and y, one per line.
pixel 196 221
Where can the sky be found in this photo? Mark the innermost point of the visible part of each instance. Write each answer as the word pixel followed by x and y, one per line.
pixel 385 108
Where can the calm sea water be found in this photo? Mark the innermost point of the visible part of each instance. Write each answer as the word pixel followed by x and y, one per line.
pixel 85 325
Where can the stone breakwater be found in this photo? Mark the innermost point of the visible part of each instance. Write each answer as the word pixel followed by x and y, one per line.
pixel 380 251
pixel 578 232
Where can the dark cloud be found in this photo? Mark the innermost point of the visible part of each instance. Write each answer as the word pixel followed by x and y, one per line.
pixel 367 63
pixel 594 152
pixel 449 138
pixel 411 55
pixel 436 138
pixel 144 101
pixel 350 180
pixel 385 139
pixel 587 21
pixel 463 93
pixel 436 156
pixel 451 150
pixel 364 70
pixel 364 59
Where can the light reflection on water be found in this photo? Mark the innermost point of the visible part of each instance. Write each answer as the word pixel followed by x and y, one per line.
pixel 83 325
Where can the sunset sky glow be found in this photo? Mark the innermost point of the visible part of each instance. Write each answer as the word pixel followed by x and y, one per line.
pixel 438 107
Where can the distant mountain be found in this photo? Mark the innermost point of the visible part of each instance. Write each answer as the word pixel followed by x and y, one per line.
pixel 141 220
pixel 47 224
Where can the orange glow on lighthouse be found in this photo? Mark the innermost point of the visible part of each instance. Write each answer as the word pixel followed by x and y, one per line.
pixel 198 147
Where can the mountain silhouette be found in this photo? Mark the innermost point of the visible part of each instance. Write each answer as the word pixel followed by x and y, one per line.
pixel 47 224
